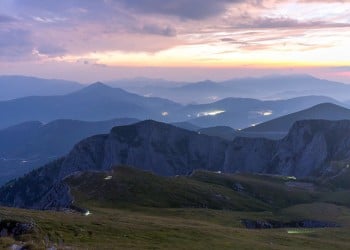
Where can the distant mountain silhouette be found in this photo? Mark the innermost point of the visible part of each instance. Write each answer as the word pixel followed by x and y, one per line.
pixel 325 111
pixel 93 103
pixel 265 88
pixel 98 102
pixel 13 87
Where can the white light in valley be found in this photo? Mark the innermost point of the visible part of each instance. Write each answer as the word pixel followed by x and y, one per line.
pixel 265 113
pixel 165 114
pixel 211 113
pixel 268 113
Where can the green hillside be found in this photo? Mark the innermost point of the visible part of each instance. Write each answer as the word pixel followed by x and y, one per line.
pixel 133 209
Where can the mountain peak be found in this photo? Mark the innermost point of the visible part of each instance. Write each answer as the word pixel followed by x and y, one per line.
pixel 328 106
pixel 98 85
pixel 143 124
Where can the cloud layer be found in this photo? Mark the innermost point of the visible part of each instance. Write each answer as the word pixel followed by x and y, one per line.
pixel 175 32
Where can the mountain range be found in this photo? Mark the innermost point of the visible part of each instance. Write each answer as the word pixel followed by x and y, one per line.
pixel 98 102
pixel 265 88
pixel 32 144
pixel 310 149
pixel 270 87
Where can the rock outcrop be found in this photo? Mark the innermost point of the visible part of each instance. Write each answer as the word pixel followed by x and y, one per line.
pixel 13 228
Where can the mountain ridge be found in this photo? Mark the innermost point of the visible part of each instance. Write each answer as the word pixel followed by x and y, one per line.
pixel 264 88
pixel 325 111
pixel 310 149
pixel 16 86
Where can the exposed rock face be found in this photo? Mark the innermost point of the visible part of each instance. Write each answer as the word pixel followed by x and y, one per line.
pixel 311 146
pixel 252 155
pixel 308 150
pixel 12 228
pixel 149 145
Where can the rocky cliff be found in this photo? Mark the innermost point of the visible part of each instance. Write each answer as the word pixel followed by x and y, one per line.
pixel 310 149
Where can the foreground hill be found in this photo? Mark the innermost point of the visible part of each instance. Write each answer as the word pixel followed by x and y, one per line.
pixel 129 208
pixel 325 111
pixel 32 144
pixel 13 87
pixel 311 149
pixel 94 103
pixel 123 186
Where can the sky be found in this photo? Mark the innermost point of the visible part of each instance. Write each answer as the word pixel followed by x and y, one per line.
pixel 182 40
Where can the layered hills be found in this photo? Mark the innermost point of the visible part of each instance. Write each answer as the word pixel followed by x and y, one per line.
pixel 269 87
pixel 99 102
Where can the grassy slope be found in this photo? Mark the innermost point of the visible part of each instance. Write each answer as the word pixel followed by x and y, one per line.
pixel 130 186
pixel 120 229
pixel 171 229
pixel 136 211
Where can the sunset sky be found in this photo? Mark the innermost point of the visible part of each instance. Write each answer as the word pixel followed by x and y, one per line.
pixel 90 40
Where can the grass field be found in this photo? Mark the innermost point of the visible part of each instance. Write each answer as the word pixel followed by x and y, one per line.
pixel 133 211
pixel 168 229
